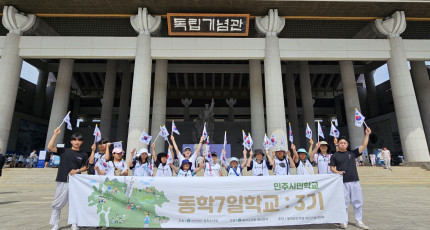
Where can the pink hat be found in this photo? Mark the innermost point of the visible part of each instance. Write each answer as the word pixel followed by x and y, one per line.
pixel 117 150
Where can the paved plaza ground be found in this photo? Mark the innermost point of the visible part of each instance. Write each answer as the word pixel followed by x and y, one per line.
pixel 397 199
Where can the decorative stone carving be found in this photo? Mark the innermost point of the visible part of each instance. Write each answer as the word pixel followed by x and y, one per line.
pixel 392 26
pixel 271 24
pixel 17 22
pixel 144 23
pixel 186 102
pixel 230 102
pixel 206 115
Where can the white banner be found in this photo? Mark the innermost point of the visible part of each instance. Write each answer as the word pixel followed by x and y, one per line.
pixel 202 202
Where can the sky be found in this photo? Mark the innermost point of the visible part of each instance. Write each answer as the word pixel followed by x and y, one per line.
pixel 31 74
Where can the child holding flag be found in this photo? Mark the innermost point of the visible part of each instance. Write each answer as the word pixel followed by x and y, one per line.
pixel 283 161
pixel 303 161
pixel 323 157
pixel 234 169
pixel 212 168
pixel 140 164
pixel 185 169
pixel 187 153
pixel 96 156
pixel 259 166
pixel 162 163
pixel 115 167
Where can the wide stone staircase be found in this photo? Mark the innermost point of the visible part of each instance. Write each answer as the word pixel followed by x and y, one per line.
pixel 368 175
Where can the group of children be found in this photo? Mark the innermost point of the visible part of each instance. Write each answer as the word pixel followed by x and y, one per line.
pixel 141 163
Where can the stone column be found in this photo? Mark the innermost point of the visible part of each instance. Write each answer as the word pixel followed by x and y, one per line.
pixel 307 100
pixel 421 81
pixel 144 24
pixel 257 105
pixel 292 105
pixel 124 104
pixel 271 25
pixel 412 137
pixel 108 99
pixel 159 103
pixel 40 94
pixel 60 103
pixel 10 67
pixel 372 96
pixel 350 98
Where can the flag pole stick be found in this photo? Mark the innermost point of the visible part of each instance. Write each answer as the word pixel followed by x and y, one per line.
pixel 63 120
pixel 365 124
pixel 157 137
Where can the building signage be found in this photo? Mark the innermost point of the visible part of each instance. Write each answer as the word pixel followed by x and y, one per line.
pixel 208 24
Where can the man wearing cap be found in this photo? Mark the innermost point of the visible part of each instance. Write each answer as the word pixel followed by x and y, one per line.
pixel 259 166
pixel 343 163
pixel 187 152
pixel 323 157
pixel 283 162
pixel 140 164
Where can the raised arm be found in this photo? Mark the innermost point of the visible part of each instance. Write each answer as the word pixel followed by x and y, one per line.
pixel 311 141
pixel 270 158
pixel 295 156
pixel 336 144
pixel 153 152
pixel 174 168
pixel 202 138
pixel 174 145
pixel 363 145
pixel 107 153
pixel 243 165
pixel 248 164
pixel 312 154
pixel 130 161
pixel 201 166
pixel 93 150
pixel 51 142
pixel 290 159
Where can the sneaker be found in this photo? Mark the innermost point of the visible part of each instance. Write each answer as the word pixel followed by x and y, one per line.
pixel 362 226
pixel 75 227
pixel 343 225
pixel 56 227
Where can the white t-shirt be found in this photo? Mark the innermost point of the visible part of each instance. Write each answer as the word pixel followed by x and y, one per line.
pixel 212 169
pixel 323 161
pixel 192 159
pixel 279 170
pixel 122 165
pixel 183 173
pixel 231 171
pixel 305 169
pixel 260 169
pixel 143 169
pixel 164 170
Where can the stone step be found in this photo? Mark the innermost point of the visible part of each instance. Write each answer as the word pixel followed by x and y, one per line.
pixel 370 175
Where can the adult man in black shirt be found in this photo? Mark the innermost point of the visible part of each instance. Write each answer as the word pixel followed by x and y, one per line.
pixel 72 161
pixel 343 163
